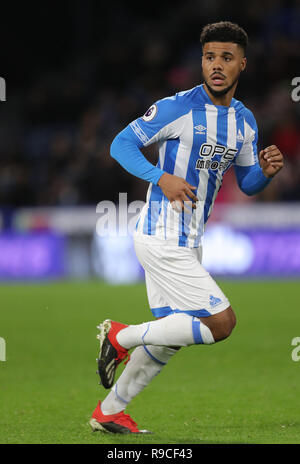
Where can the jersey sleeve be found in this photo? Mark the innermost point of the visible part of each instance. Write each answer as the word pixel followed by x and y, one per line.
pixel 248 153
pixel 251 179
pixel 162 121
pixel 249 174
pixel 125 149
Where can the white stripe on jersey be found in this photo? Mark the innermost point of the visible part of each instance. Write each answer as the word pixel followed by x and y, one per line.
pixel 212 119
pixel 231 128
pixel 246 157
pixel 171 130
pixel 184 149
pixel 144 212
pixel 161 218
pixel 231 142
pixel 198 218
pixel 168 219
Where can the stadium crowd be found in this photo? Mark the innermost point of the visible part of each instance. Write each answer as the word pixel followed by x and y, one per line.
pixel 100 70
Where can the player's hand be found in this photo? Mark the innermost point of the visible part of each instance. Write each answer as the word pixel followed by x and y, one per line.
pixel 178 191
pixel 271 160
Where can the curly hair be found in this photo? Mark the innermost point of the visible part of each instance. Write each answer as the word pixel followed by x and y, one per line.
pixel 224 31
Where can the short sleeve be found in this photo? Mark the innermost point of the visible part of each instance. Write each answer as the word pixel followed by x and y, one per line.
pixel 248 153
pixel 162 121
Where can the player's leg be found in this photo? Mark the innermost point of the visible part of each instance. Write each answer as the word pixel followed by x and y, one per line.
pixel 148 360
pixel 145 363
pixel 112 352
pixel 176 275
pixel 177 329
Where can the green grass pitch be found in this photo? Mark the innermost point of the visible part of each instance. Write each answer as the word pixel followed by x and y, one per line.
pixel 242 390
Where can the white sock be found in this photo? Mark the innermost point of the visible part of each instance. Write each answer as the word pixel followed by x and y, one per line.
pixel 145 363
pixel 178 329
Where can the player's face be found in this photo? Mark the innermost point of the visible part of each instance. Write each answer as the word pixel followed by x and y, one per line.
pixel 222 63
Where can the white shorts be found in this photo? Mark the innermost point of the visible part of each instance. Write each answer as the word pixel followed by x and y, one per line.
pixel 177 282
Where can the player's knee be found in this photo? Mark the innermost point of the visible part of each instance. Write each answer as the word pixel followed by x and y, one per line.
pixel 225 331
pixel 231 321
pixel 220 333
pixel 225 326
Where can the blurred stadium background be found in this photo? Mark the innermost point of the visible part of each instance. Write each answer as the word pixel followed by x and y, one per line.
pixel 79 73
pixel 76 73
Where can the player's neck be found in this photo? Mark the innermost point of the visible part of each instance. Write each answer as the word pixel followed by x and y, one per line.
pixel 223 100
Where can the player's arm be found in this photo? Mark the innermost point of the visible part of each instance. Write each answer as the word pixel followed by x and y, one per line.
pixel 126 146
pixel 253 179
pixel 254 172
pixel 125 149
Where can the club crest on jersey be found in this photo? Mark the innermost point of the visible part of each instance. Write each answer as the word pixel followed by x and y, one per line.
pixel 150 113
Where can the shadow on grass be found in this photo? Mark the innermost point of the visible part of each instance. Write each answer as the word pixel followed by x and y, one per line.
pixel 153 439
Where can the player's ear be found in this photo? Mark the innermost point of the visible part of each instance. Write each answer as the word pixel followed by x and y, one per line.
pixel 243 63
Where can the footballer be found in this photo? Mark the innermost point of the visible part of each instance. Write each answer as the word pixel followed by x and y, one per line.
pixel 201 134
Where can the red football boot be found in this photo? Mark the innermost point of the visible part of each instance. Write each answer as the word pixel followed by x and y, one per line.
pixel 111 352
pixel 113 423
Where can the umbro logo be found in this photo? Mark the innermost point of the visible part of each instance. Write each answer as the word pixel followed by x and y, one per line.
pixel 200 129
pixel 239 136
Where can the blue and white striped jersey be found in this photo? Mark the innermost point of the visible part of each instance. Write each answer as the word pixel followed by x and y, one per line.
pixel 198 141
